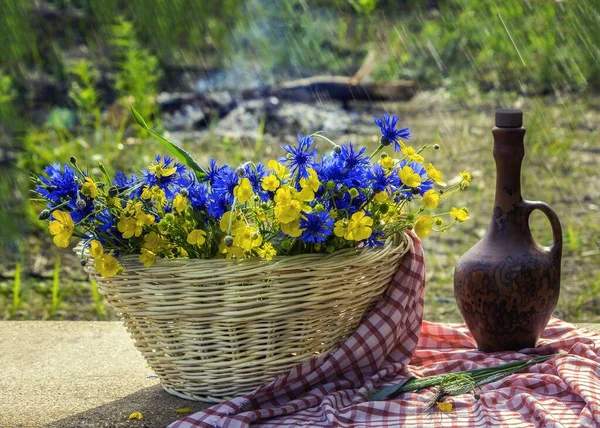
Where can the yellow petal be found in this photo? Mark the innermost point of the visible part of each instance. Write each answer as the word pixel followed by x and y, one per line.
pixel 444 406
pixel 62 240
pixel 136 415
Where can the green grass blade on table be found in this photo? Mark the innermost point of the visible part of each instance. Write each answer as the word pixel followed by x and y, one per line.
pixel 478 377
pixel 173 149
pixel 16 291
pixel 56 298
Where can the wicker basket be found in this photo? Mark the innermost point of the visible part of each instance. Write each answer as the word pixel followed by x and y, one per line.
pixel 214 329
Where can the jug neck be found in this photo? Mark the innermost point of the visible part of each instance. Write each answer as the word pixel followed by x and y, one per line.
pixel 509 151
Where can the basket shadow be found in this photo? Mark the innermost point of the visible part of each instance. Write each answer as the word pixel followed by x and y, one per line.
pixel 157 406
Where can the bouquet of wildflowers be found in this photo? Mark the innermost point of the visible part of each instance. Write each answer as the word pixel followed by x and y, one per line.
pixel 296 204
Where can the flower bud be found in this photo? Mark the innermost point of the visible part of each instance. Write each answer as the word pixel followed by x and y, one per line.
pixel 256 198
pixel 228 241
pixel 73 160
pixel 113 192
pixel 337 149
pixel 44 215
pixel 415 190
pixel 439 222
pixel 264 206
pixel 410 227
pixel 330 185
pixel 184 192
pixel 80 204
pixel 441 192
pixel 383 209
pixel 383 155
pixel 384 141
pixel 240 171
pixel 83 262
pixel 319 208
pixel 353 192
pixel 436 146
pixel 410 217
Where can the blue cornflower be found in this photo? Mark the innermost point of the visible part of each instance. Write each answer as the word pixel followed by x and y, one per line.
pixel 426 182
pixel 379 180
pixel 212 172
pixel 224 183
pixel 389 133
pixel 123 183
pixel 255 175
pixel 217 206
pixel 198 196
pixel 60 186
pixel 301 157
pixel 352 159
pixel 106 225
pixel 317 227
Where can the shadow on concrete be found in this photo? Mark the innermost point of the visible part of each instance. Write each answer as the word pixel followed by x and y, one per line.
pixel 157 406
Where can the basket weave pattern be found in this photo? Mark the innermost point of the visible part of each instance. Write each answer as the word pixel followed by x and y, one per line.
pixel 214 329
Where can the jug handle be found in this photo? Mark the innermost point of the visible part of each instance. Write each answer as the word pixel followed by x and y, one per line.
pixel 530 206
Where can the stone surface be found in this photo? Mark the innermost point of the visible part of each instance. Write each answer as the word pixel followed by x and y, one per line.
pixel 78 374
pixel 82 374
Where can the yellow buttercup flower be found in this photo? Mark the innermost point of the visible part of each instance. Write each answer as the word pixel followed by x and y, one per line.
pixel 266 251
pixel 148 258
pixel 196 237
pixel 409 177
pixel 155 193
pixel 312 182
pixel 305 195
pixel 236 222
pixel 243 191
pixel 155 243
pixel 381 197
pixel 411 153
pixel 96 249
pixel 129 227
pixel 387 162
pixel 460 214
pixel 247 238
pixel 62 227
pixel 431 198
pixel 89 189
pixel 107 266
pixel 230 252
pixel 423 226
pixel 279 170
pixel 465 178
pixel 180 203
pixel 435 175
pixel 340 228
pixel 359 227
pixel 292 228
pixel 270 183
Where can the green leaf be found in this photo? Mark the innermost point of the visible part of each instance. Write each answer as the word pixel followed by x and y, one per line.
pixel 173 149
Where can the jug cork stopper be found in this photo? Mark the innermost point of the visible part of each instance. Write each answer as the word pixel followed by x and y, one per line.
pixel 509 118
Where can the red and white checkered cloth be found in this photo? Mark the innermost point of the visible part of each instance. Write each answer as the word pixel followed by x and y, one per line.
pixel 332 390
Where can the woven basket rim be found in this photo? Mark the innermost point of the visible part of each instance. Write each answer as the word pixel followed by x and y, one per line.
pixel 131 260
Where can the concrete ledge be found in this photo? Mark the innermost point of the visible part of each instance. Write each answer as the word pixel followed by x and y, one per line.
pixel 82 374
pixel 78 374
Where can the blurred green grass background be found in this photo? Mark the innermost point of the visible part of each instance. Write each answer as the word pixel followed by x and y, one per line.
pixel 69 68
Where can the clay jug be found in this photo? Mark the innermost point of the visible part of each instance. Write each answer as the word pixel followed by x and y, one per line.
pixel 507 285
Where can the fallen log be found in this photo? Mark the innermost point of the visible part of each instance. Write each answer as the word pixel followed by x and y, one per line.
pixel 338 88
